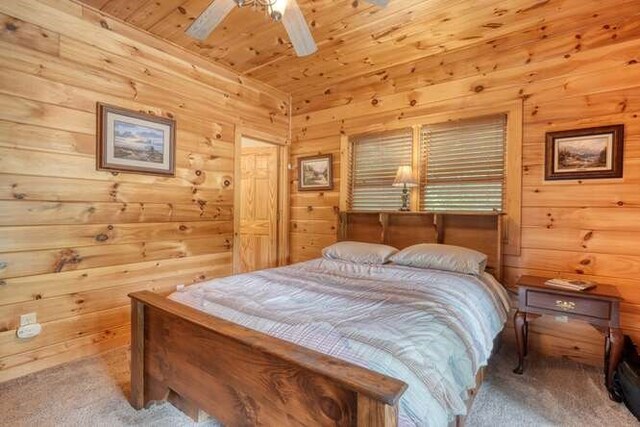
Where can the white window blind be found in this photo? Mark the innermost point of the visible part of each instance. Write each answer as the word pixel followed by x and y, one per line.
pixel 464 165
pixel 374 163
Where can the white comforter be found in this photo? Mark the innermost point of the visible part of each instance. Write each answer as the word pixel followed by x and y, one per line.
pixel 431 329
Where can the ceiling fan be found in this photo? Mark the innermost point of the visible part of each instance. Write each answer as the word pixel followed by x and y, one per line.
pixel 286 11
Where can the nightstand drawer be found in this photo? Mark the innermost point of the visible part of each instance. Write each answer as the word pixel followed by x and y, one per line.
pixel 569 304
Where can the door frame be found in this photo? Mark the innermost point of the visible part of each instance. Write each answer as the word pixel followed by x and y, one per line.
pixel 282 251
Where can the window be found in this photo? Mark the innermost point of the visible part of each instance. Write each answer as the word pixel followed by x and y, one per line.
pixel 465 165
pixel 374 162
pixel 487 164
pixel 460 167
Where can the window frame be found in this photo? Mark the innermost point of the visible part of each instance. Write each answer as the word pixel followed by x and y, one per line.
pixel 512 199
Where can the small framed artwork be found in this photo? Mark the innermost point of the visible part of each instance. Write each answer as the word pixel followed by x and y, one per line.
pixel 130 141
pixel 592 153
pixel 315 173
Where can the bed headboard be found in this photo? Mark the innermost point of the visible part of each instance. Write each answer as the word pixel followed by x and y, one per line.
pixel 479 231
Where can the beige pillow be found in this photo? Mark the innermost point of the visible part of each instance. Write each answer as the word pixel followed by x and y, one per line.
pixel 442 257
pixel 359 252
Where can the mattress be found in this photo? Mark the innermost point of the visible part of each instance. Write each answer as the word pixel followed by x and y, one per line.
pixel 431 329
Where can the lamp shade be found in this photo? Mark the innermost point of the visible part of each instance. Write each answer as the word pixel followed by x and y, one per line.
pixel 404 176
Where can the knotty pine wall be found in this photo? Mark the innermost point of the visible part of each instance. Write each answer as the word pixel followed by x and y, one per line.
pixel 571 73
pixel 74 241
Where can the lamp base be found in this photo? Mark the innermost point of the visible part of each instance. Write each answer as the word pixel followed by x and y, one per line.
pixel 405 199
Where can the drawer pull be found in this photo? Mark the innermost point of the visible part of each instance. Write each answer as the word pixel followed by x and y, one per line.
pixel 565 305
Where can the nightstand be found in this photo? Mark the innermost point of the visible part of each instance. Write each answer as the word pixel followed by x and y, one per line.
pixel 599 306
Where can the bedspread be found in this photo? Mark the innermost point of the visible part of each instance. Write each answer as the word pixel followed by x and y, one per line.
pixel 431 329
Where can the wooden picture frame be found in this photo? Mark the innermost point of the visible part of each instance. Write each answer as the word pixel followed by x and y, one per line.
pixel 591 153
pixel 136 142
pixel 319 176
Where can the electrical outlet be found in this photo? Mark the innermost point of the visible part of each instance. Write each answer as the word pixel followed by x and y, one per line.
pixel 28 319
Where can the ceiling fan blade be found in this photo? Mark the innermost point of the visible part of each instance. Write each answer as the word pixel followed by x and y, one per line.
pixel 298 30
pixel 210 18
pixel 381 3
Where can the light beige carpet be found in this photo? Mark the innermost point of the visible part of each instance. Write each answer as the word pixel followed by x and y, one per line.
pixel 92 392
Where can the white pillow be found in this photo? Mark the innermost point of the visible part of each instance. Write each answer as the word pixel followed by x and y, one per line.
pixel 442 257
pixel 359 252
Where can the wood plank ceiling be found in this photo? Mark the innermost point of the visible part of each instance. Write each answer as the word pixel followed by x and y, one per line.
pixel 354 37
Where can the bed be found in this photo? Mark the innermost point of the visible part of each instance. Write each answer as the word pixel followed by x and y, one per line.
pixel 325 342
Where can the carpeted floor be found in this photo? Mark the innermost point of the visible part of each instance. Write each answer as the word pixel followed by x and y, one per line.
pixel 92 392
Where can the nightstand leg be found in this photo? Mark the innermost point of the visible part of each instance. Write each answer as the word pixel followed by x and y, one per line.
pixel 607 351
pixel 526 338
pixel 520 324
pixel 616 344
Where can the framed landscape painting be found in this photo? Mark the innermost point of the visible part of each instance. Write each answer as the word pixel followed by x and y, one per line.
pixel 315 173
pixel 130 141
pixel 592 153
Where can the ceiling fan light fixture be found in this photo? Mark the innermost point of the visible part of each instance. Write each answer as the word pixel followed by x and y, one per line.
pixel 277 9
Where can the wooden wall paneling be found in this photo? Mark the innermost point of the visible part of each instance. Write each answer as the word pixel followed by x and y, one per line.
pixel 314 214
pixel 22 33
pixel 18 264
pixel 42 188
pixel 16 161
pixel 17 365
pixel 66 329
pixel 56 213
pixel 93 300
pixel 591 218
pixel 22 289
pixel 28 238
pixel 147 49
pixel 74 241
pixel 567 73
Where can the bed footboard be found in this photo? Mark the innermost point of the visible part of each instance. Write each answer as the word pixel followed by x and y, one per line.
pixel 243 377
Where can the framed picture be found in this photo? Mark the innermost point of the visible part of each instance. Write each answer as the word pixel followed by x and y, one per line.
pixel 130 141
pixel 585 153
pixel 315 173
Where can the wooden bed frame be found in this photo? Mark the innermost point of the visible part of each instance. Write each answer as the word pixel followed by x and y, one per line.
pixel 242 377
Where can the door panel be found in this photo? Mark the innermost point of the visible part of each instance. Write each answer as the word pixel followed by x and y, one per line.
pixel 258 208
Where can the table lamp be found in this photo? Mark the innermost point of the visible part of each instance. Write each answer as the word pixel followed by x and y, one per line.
pixel 405 179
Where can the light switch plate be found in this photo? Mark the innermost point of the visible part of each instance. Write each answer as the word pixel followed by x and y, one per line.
pixel 28 319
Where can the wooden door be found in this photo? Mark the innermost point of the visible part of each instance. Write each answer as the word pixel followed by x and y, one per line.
pixel 258 208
